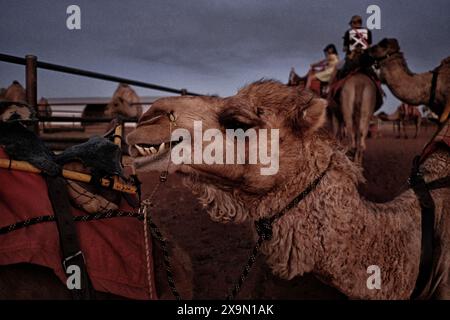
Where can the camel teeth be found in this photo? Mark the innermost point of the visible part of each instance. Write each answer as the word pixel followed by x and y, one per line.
pixel 162 147
pixel 152 150
pixel 141 150
pixel 147 151
pixel 172 117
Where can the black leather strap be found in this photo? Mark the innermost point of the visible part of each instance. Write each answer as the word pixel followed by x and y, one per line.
pixel 433 87
pixel 427 242
pixel 70 248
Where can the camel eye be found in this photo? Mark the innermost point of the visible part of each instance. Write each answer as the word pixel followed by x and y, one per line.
pixel 233 123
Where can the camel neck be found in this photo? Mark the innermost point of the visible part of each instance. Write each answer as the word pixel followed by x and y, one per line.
pixel 405 85
pixel 337 235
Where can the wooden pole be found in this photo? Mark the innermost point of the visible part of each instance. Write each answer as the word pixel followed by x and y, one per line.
pixel 69 174
pixel 31 85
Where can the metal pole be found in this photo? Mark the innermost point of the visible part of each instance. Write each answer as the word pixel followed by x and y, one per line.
pixel 31 84
pixel 95 75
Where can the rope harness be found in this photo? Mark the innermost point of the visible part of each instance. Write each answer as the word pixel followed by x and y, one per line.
pixel 264 230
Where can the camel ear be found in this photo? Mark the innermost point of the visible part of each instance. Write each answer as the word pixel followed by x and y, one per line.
pixel 311 117
pixel 393 44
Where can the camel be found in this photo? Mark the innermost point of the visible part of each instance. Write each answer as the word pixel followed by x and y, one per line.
pixel 44 108
pixel 357 104
pixel 333 232
pixel 403 115
pixel 14 111
pixel 409 87
pixel 358 99
pixel 125 102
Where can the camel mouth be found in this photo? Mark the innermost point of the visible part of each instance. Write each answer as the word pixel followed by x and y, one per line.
pixel 145 153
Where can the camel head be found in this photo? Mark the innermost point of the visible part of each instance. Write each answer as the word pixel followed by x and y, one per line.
pixel 15 92
pixel 13 105
pixel 384 49
pixel 295 79
pixel 282 119
pixel 125 102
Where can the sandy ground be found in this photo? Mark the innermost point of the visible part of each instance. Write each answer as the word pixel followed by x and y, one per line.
pixel 219 252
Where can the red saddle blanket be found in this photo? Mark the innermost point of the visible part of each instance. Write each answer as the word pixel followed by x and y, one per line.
pixel 113 248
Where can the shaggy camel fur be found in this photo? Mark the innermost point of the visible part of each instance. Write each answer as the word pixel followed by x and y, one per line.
pixel 334 232
pixel 410 87
pixel 125 102
pixel 403 115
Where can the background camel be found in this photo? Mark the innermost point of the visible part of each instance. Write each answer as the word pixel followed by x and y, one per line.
pixel 350 119
pixel 333 232
pixel 125 102
pixel 358 99
pixel 410 87
pixel 404 115
pixel 9 111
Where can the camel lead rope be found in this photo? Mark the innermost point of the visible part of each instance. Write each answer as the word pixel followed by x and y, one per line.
pixel 147 248
pixel 148 223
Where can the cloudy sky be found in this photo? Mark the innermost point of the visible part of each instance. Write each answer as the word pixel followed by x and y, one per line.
pixel 206 46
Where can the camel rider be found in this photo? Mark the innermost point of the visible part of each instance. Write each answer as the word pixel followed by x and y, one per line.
pixel 357 37
pixel 356 40
pixel 327 66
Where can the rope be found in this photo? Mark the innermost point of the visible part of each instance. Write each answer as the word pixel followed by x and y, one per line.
pixel 148 223
pixel 50 218
pixel 147 251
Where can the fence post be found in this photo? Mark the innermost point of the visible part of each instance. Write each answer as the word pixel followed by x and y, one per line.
pixel 31 84
pixel 183 92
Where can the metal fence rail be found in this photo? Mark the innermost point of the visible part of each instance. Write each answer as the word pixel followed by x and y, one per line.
pixel 31 64
pixel 91 74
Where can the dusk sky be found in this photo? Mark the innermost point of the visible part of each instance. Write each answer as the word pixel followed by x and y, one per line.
pixel 206 46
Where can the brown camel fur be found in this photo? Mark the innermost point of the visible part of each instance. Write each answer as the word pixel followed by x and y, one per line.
pixel 333 233
pixel 410 87
pixel 404 114
pixel 125 102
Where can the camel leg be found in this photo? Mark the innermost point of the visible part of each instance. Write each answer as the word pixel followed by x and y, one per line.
pixel 366 110
pixel 347 103
pixel 335 126
pixel 418 123
pixel 397 125
pixel 405 134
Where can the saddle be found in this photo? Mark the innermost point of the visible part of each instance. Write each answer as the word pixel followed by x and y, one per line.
pixel 99 155
pixel 335 87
